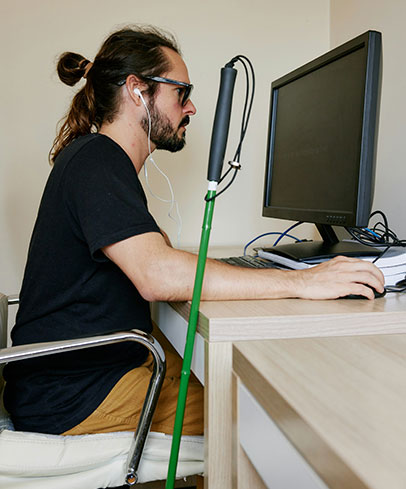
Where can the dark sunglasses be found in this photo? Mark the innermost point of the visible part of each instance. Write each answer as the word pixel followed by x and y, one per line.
pixel 187 87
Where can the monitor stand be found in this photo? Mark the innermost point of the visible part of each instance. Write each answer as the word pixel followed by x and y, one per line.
pixel 330 247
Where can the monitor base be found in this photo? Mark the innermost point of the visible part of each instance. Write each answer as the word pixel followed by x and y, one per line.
pixel 320 250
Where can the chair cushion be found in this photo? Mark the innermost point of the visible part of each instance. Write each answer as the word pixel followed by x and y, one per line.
pixel 38 461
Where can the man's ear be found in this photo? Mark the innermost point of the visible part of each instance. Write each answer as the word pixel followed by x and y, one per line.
pixel 135 88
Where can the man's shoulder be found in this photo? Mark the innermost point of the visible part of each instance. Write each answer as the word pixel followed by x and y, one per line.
pixel 92 155
pixel 90 147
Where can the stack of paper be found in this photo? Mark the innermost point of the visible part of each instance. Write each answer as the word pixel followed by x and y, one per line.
pixel 392 264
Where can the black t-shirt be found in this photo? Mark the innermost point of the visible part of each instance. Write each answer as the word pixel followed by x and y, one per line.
pixel 93 198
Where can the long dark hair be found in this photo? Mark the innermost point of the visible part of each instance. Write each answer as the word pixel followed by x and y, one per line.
pixel 135 50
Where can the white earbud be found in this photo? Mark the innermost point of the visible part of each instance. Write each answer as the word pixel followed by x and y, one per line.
pixel 138 92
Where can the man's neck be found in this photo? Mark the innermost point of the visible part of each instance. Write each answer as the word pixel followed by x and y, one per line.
pixel 132 140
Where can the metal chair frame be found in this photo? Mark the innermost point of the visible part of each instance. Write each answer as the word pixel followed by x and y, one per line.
pixel 25 352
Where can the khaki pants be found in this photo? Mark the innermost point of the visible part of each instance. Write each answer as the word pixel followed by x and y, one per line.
pixel 121 409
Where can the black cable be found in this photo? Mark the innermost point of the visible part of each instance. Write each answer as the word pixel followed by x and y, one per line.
pixel 398 287
pixel 226 187
pixel 225 174
pixel 246 115
pixel 380 236
pixel 381 254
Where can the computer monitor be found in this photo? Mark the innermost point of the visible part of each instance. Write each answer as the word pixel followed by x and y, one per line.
pixel 320 165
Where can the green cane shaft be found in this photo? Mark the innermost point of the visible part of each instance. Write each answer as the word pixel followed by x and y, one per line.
pixel 190 340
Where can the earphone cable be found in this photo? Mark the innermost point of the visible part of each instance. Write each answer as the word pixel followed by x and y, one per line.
pixel 173 202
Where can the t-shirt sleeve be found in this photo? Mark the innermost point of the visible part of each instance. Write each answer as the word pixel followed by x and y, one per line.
pixel 105 198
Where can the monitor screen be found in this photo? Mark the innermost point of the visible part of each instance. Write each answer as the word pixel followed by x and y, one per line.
pixel 322 137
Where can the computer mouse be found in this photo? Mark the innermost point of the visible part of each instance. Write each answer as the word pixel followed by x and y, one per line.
pixel 355 296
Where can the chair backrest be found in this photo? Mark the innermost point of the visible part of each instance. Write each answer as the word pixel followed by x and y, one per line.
pixel 3 320
pixel 5 421
pixel 3 330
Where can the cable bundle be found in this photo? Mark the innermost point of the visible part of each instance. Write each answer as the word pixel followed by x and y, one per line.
pixel 378 236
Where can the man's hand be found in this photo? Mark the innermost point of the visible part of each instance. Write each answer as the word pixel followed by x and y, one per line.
pixel 339 277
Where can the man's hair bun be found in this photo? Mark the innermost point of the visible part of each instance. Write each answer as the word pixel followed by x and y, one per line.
pixel 71 68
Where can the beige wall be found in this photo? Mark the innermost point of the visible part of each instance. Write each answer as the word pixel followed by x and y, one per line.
pixel 348 19
pixel 276 36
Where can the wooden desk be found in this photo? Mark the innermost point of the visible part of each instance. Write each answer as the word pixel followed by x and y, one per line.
pixel 339 403
pixel 222 323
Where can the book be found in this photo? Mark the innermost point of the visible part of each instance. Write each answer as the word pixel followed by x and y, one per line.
pixel 393 257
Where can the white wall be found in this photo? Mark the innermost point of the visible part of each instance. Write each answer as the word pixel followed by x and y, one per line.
pixel 276 36
pixel 348 19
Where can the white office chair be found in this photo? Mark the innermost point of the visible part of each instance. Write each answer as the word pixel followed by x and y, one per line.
pixel 40 461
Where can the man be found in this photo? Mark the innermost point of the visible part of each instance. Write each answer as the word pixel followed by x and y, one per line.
pixel 97 257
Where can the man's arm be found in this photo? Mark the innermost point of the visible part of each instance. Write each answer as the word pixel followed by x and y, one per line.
pixel 162 273
pixel 166 238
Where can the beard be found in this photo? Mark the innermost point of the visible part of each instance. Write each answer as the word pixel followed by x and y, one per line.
pixel 163 134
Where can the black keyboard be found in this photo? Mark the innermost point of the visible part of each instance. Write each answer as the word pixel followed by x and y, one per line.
pixel 248 261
